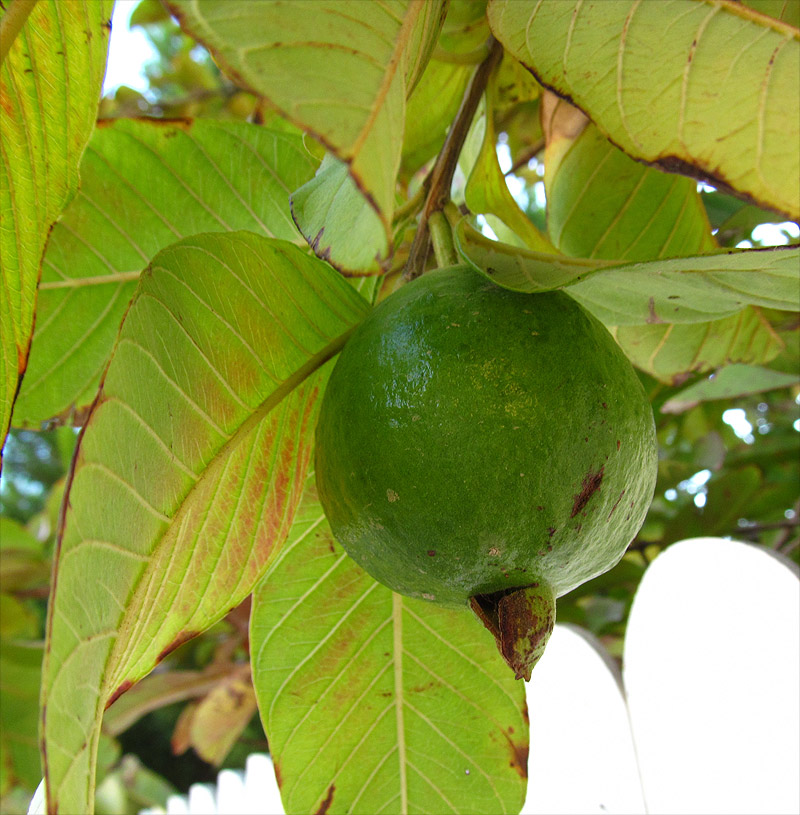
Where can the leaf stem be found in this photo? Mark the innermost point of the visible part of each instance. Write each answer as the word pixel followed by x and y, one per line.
pixel 12 23
pixel 446 162
pixel 414 204
pixel 442 238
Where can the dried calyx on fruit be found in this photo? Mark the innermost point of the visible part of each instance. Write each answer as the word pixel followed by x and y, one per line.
pixel 485 447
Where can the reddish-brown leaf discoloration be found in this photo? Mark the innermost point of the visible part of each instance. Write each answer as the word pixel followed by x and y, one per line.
pixel 183 637
pixel 519 756
pixel 326 804
pixel 125 686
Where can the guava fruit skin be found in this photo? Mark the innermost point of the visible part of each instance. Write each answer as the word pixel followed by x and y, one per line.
pixel 474 440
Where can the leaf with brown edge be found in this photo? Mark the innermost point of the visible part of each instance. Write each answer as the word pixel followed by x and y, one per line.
pixel 704 88
pixel 374 702
pixel 342 72
pixel 188 471
pixel 50 83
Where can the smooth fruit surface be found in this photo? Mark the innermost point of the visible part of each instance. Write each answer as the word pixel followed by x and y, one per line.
pixel 474 440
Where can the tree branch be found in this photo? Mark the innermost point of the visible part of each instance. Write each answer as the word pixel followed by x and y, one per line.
pixel 447 161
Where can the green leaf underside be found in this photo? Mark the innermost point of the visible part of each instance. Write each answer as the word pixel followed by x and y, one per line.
pixel 688 85
pixel 430 111
pixel 50 86
pixel 188 471
pixel 144 185
pixel 342 72
pixel 669 352
pixel 338 223
pixel 375 702
pixel 728 383
pixel 603 204
pixel 695 289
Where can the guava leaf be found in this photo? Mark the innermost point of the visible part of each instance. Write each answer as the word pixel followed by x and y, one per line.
pixel 187 474
pixel 373 702
pixel 670 352
pixel 338 223
pixel 341 72
pixel 728 383
pixel 50 86
pixel 785 10
pixel 729 117
pixel 431 109
pixel 695 289
pixel 465 32
pixel 144 185
pixel 487 191
pixel 601 203
pixel 20 675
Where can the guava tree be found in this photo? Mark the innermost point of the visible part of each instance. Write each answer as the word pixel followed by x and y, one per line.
pixel 180 290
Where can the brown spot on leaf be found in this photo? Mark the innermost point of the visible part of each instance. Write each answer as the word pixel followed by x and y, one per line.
pixel 431 553
pixel 278 776
pixel 519 757
pixel 652 317
pixel 125 686
pixel 326 804
pixel 183 637
pixel 591 483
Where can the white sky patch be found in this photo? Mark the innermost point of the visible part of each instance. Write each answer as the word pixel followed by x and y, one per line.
pixel 128 51
pixel 486 229
pixel 775 234
pixel 504 157
pixel 736 419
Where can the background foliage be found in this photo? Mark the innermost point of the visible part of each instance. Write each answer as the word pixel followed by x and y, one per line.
pixel 725 400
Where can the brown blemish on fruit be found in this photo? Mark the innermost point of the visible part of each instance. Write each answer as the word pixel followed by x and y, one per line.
pixel 551 530
pixel 125 686
pixel 591 483
pixel 431 553
pixel 326 804
pixel 392 496
pixel 494 551
pixel 616 504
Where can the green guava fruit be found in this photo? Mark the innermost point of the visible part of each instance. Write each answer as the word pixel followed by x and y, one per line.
pixel 478 445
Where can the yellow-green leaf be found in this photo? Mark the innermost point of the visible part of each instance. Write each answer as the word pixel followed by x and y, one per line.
pixel 670 352
pixel 188 471
pixel 603 204
pixel 708 88
pixel 339 69
pixel 144 185
pixel 338 223
pixel 49 90
pixel 374 702
pixel 487 191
